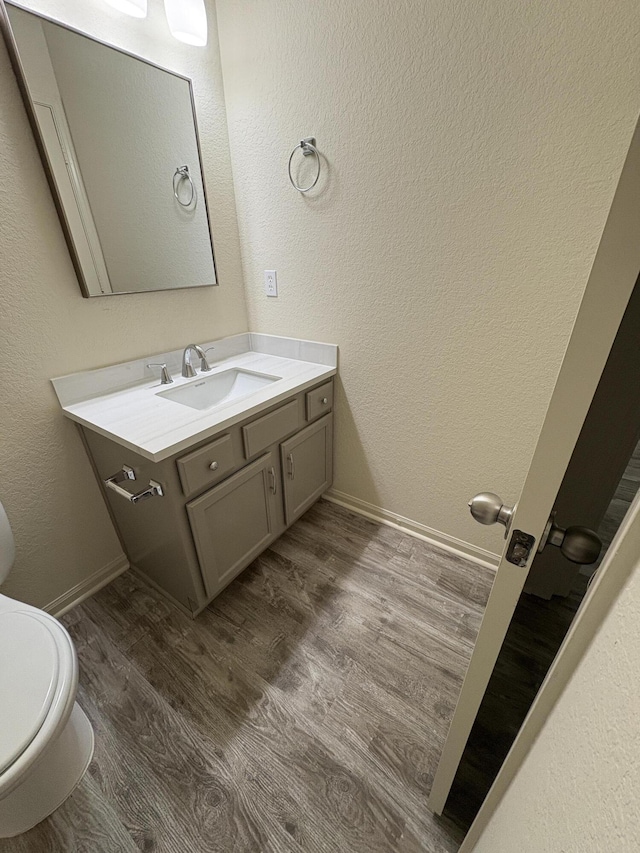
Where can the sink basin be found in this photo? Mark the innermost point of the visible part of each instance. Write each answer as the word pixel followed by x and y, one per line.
pixel 219 388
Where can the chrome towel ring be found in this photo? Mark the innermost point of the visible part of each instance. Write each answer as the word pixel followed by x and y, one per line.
pixel 182 174
pixel 308 147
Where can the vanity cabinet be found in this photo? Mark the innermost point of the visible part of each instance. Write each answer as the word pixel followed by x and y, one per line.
pixel 224 500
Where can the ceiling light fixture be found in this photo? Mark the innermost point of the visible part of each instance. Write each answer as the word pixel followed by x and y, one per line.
pixel 135 8
pixel 187 21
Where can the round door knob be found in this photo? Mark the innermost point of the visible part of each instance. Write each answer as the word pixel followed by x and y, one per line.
pixel 488 508
pixel 581 545
pixel 214 466
pixel 324 401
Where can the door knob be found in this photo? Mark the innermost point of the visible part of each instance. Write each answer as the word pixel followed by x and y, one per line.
pixel 488 508
pixel 578 544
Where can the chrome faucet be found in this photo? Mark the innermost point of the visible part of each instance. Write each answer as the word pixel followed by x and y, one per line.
pixel 187 368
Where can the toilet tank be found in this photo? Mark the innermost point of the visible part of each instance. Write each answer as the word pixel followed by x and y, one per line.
pixel 7 545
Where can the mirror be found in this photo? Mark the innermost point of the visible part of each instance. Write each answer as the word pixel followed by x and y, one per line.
pixel 119 141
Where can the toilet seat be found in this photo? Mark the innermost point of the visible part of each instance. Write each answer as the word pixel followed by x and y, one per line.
pixel 46 740
pixel 29 674
pixel 38 683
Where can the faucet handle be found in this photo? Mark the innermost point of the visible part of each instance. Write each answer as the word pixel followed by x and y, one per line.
pixel 165 378
pixel 204 364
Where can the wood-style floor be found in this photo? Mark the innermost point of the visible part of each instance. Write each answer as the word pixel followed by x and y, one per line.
pixel 304 710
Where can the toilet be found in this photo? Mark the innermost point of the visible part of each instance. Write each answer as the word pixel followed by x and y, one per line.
pixel 46 741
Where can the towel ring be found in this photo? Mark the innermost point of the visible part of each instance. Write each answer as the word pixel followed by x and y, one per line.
pixel 182 174
pixel 308 147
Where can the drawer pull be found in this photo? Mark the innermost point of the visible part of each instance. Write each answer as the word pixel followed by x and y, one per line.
pixel 274 482
pixel 126 473
pixel 324 401
pixel 214 466
pixel 292 466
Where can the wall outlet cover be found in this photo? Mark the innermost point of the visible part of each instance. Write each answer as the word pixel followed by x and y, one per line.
pixel 270 283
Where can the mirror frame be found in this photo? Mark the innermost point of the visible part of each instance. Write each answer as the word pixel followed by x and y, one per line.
pixel 18 70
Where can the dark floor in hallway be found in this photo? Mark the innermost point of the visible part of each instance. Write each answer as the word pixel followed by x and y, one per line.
pixel 304 710
pixel 535 634
pixel 621 501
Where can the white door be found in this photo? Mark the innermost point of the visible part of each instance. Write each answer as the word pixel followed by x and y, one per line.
pixel 610 285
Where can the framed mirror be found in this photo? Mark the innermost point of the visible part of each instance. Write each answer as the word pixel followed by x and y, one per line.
pixel 119 142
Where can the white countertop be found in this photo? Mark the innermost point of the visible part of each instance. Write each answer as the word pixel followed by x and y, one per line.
pixel 156 427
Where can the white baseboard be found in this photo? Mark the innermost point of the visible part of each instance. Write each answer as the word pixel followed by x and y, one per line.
pixel 59 606
pixel 415 528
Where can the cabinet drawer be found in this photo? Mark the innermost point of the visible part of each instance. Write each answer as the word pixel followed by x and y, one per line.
pixel 319 401
pixel 207 465
pixel 270 428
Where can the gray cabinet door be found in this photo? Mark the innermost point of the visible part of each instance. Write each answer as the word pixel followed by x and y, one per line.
pixel 307 466
pixel 233 522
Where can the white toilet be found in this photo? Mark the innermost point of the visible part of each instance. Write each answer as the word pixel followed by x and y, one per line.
pixel 46 741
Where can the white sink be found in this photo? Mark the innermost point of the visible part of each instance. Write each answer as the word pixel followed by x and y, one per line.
pixel 219 388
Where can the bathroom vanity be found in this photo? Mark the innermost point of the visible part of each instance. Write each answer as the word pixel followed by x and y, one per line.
pixel 197 490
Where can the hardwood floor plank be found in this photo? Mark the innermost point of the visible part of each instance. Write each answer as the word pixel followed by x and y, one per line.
pixel 154 766
pixel 429 619
pixel 270 741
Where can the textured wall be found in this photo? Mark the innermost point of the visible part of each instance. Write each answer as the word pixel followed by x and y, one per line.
pixel 471 154
pixel 47 329
pixel 577 790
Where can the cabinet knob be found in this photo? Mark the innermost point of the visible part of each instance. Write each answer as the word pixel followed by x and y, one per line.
pixel 214 466
pixel 324 401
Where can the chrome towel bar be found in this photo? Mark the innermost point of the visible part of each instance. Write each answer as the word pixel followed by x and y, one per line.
pixel 126 473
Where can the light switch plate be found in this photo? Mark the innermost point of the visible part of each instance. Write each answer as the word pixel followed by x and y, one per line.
pixel 270 283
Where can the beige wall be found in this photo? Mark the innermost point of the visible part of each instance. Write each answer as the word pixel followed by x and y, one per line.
pixel 471 154
pixel 577 790
pixel 47 329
